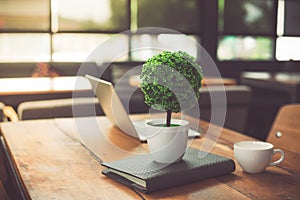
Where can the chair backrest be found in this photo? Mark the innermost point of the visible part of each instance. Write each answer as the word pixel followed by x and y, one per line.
pixel 57 108
pixel 285 130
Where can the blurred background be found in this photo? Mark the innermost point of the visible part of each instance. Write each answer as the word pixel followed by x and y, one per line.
pixel 240 36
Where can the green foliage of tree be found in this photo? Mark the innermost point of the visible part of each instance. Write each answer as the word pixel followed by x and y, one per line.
pixel 171 82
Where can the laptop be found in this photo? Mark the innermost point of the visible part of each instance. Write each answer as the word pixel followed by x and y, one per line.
pixel 116 113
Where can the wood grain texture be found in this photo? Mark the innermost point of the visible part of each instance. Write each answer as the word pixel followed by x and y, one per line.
pixel 287 122
pixel 52 165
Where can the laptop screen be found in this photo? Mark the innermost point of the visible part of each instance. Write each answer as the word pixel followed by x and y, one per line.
pixel 112 105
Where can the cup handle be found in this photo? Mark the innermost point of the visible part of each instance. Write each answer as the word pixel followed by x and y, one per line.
pixel 280 159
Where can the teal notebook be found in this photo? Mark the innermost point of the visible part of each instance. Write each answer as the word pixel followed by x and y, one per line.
pixel 144 174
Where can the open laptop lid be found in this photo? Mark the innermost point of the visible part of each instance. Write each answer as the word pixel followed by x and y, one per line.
pixel 112 105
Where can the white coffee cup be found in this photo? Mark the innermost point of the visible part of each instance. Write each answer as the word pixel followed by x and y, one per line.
pixel 255 156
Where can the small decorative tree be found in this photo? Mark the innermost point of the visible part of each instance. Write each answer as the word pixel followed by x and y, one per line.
pixel 171 82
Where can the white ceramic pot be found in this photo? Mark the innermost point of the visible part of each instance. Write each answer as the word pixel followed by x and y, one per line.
pixel 167 144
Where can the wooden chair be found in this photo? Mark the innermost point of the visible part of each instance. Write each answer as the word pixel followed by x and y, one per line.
pixel 285 130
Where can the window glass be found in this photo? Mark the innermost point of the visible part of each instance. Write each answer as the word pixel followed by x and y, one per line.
pixel 221 15
pixel 29 47
pixel 248 17
pixel 73 15
pixel 292 17
pixel 245 48
pixel 144 46
pixel 24 15
pixel 77 47
pixel 288 48
pixel 180 15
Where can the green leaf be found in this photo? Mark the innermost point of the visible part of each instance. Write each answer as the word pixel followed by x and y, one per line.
pixel 167 73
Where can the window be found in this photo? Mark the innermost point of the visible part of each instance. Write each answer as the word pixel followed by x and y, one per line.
pixel 59 30
pixel 258 30
pixel 88 15
pixel 246 29
pixel 245 48
pixel 20 15
pixel 180 15
pixel 26 47
pixel 288 42
pixel 249 17
pixel 69 30
pixel 77 46
pixel 288 48
pixel 291 17
pixel 175 42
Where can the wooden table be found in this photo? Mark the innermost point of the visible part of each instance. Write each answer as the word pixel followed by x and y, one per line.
pixel 52 165
pixel 135 81
pixel 16 90
pixel 289 83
